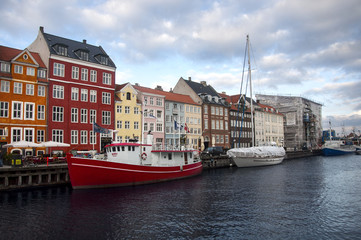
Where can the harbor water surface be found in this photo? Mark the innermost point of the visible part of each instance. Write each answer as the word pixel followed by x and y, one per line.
pixel 308 198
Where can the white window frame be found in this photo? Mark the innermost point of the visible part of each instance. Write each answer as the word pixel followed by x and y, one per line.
pixel 41 91
pixel 107 78
pixel 84 74
pixel 29 134
pixel 30 71
pixel 30 89
pixel 84 95
pixel 18 88
pixel 41 112
pixel 58 91
pixel 75 72
pixel 92 115
pixel 29 111
pixel 18 69
pixel 58 114
pixel 59 69
pixel 5 86
pixel 83 115
pixel 74 115
pixel 93 75
pixel 93 96
pixel 4 109
pixel 74 136
pixel 19 112
pixel 40 135
pixel 106 98
pixel 74 94
pixel 83 137
pixel 57 135
pixel 14 133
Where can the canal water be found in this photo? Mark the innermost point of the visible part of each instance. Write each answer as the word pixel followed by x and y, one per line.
pixel 309 198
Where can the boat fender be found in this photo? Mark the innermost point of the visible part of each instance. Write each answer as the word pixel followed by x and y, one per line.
pixel 144 156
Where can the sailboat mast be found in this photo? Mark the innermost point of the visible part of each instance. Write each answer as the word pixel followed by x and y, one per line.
pixel 250 89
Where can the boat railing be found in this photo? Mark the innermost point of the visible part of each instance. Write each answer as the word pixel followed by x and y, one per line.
pixel 170 147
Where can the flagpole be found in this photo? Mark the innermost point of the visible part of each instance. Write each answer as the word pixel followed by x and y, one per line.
pixel 179 133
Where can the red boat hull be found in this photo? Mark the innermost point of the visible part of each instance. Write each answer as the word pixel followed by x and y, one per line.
pixel 89 173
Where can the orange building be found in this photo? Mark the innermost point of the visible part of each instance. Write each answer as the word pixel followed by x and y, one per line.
pixel 23 98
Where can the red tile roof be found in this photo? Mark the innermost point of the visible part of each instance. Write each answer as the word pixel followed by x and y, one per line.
pixel 7 54
pixel 269 109
pixel 169 96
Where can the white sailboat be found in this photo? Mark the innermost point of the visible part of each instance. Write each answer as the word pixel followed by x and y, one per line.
pixel 255 156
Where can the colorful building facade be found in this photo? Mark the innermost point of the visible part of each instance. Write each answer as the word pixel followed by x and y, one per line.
pixel 23 99
pixel 81 91
pixel 128 113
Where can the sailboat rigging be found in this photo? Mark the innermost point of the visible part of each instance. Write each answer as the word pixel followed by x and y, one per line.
pixel 254 156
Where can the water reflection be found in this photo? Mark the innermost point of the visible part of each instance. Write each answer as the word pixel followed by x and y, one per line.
pixel 314 198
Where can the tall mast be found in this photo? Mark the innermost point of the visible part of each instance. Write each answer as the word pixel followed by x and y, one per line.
pixel 250 89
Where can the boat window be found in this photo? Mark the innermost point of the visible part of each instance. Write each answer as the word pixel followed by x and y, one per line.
pixel 143 149
pixel 133 148
pixel 123 148
pixel 129 148
pixel 118 148
pixel 169 156
pixel 114 149
pixel 190 155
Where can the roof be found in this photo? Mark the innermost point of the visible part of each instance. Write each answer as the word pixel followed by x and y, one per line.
pixel 169 96
pixel 202 88
pixel 73 46
pixel 7 54
pixel 269 109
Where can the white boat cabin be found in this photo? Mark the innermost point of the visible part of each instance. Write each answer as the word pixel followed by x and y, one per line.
pixel 144 154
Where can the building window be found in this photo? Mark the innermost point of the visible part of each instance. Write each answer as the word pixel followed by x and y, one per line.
pixel 205 108
pixel 74 94
pixel 159 114
pixel 4 109
pixel 93 96
pixel 17 110
pixel 107 78
pixel 84 74
pixel 16 134
pixel 41 91
pixel 74 115
pixel 106 98
pixel 29 111
pixel 159 127
pixel 41 73
pixel 127 110
pixel 75 73
pixel 29 134
pixel 128 96
pixel 18 69
pixel 40 135
pixel 159 102
pixel 93 116
pixel 74 136
pixel 151 127
pixel 136 110
pixel 92 137
pixel 18 88
pixel 84 55
pixel 41 112
pixel 119 124
pixel 58 92
pixel 83 137
pixel 106 117
pixel 126 124
pixel 5 86
pixel 145 127
pixel 84 95
pixel 5 67
pixel 59 69
pixel 136 125
pixel 57 135
pixel 30 71
pixel 205 123
pixel 119 109
pixel 62 50
pixel 84 115
pixel 58 114
pixel 93 75
pixel 151 101
pixel 30 89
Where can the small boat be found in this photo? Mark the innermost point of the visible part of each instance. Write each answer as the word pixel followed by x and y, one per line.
pixel 132 163
pixel 256 156
pixel 336 147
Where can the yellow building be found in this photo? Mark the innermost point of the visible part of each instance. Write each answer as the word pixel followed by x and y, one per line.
pixel 193 119
pixel 128 117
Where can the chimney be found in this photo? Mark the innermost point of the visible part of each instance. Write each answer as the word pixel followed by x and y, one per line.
pixel 224 93
pixel 204 83
pixel 189 78
pixel 84 41
pixel 159 88
pixel 41 29
pixel 136 84
pixel 171 90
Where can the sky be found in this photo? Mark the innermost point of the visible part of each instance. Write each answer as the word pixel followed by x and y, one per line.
pixel 301 48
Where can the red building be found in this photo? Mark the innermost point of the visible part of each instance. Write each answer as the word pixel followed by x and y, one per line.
pixel 81 90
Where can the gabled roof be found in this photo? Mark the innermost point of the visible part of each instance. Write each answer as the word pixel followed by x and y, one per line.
pixel 202 88
pixel 169 96
pixel 269 109
pixel 73 46
pixel 7 54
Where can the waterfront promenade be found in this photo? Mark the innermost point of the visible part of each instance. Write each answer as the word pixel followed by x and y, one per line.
pixel 41 175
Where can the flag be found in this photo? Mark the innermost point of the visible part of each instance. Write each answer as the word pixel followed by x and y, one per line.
pixel 175 125
pixel 186 128
pixel 99 129
pixel 151 115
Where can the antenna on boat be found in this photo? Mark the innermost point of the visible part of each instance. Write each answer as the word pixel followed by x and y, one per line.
pixel 250 89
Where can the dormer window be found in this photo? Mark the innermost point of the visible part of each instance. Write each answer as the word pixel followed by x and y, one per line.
pixel 61 49
pixel 83 54
pixel 102 59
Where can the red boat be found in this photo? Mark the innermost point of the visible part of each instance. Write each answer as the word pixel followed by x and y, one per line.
pixel 126 164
